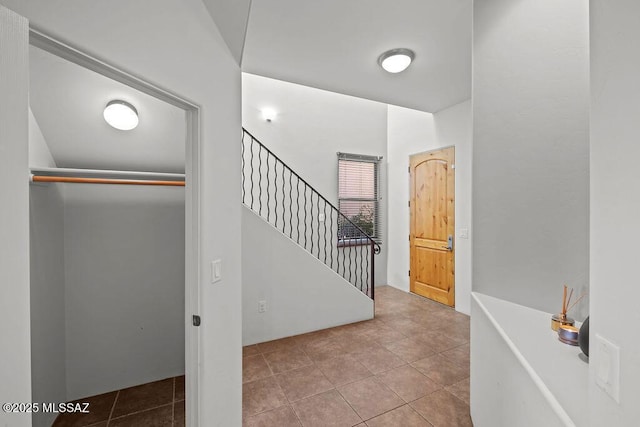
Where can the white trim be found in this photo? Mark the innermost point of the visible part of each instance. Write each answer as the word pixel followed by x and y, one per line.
pixel 193 144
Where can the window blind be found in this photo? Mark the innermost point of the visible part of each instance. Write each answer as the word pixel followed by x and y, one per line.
pixel 358 195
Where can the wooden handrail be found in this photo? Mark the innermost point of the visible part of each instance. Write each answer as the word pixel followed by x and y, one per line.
pixel 78 180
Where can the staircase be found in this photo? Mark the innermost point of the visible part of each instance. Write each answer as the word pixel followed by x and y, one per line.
pixel 273 191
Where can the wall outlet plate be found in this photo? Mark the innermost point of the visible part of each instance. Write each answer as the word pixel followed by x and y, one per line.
pixel 607 359
pixel 262 306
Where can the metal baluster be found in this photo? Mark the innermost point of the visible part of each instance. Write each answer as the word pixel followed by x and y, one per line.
pixel 260 178
pixel 284 196
pixel 298 212
pixel 243 166
pixel 350 261
pixel 305 216
pixel 268 192
pixel 331 234
pixel 251 173
pixel 312 215
pixel 290 205
pixel 367 268
pixel 324 212
pixel 373 284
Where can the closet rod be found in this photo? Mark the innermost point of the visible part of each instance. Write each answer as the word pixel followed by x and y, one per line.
pixel 100 176
pixel 102 173
pixel 77 180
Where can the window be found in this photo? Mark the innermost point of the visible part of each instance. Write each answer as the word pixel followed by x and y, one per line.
pixel 358 196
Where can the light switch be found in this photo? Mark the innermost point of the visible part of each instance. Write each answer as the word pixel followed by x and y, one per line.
pixel 216 271
pixel 607 360
pixel 463 233
pixel 321 217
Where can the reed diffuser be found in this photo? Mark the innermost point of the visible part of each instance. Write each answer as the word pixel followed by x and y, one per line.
pixel 562 319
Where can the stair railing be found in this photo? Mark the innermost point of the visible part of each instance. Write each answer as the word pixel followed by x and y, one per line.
pixel 272 190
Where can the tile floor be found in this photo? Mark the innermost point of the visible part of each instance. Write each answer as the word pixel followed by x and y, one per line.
pixel 407 367
pixel 156 404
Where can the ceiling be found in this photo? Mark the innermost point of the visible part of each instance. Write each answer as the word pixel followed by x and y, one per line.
pixel 68 101
pixel 334 45
pixel 231 17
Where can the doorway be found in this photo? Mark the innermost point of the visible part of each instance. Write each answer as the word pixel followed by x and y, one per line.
pixel 431 219
pixel 121 241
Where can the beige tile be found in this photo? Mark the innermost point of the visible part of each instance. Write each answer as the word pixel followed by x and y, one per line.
pixel 379 360
pixel 99 409
pixel 437 342
pixel 286 360
pixel 255 368
pixel 410 349
pixel 326 409
pixel 250 350
pixel 261 395
pixel 441 370
pixel 458 355
pixel 355 343
pixel 442 409
pixel 408 383
pixel 343 369
pixel 387 335
pixel 159 417
pixel 308 338
pixel 143 397
pixel 370 397
pixel 277 345
pixel 461 390
pixel 304 382
pixel 403 416
pixel 280 417
pixel 324 349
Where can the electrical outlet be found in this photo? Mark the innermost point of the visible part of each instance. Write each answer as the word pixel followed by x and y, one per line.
pixel 262 306
pixel 607 358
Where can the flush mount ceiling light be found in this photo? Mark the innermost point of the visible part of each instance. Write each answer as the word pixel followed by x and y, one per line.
pixel 396 60
pixel 269 114
pixel 121 115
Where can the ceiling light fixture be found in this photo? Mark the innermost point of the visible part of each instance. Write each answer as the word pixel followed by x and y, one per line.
pixel 121 115
pixel 396 60
pixel 269 114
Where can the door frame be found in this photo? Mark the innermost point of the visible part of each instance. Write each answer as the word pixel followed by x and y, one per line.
pixel 454 216
pixel 193 146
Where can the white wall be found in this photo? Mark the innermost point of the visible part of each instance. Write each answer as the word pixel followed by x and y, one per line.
pixel 15 369
pixel 124 270
pixel 176 45
pixel 302 294
pixel 48 358
pixel 411 132
pixel 530 150
pixel 615 203
pixel 311 127
pixel 408 132
pixel 39 153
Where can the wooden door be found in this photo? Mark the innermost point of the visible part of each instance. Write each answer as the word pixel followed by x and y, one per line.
pixel 431 207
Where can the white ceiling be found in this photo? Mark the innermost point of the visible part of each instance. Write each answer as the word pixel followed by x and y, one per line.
pixel 68 100
pixel 334 45
pixel 231 18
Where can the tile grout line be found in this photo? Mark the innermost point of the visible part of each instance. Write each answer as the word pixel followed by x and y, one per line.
pixel 143 410
pixel 173 404
pixel 113 407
